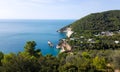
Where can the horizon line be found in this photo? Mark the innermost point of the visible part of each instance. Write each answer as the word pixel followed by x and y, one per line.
pixel 38 19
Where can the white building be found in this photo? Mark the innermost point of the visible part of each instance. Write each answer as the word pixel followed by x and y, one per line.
pixel 116 42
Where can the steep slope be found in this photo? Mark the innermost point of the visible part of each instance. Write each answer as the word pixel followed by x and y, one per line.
pixel 104 21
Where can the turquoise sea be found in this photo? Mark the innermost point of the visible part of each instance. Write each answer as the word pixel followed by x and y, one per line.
pixel 15 33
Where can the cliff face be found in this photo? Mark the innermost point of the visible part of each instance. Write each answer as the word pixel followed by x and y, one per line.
pixel 67 30
pixel 64 46
pixel 64 29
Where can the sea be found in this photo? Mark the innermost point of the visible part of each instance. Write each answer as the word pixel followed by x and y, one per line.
pixel 15 33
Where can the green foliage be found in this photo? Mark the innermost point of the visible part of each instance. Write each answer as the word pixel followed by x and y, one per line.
pixel 30 49
pixel 99 63
pixel 1 57
pixel 7 58
pixel 81 61
pixel 68 68
pixel 116 59
pixel 49 64
pixel 99 43
pixel 86 55
pixel 97 22
pixel 14 63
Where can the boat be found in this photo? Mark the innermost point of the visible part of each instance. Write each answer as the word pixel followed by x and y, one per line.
pixel 50 43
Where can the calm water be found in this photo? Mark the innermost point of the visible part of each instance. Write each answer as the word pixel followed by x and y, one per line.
pixel 15 33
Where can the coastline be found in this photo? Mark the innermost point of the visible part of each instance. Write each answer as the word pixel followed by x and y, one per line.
pixel 63 43
pixel 28 30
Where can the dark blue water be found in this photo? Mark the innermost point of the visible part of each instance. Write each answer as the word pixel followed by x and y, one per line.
pixel 15 33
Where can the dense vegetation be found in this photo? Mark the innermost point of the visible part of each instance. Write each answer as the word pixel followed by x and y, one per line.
pixel 105 21
pixel 31 60
pixel 98 32
pixel 96 43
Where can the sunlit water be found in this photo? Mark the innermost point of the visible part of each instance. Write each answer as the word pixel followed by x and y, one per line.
pixel 15 33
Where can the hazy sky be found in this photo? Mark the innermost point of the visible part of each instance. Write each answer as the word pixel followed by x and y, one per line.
pixel 53 9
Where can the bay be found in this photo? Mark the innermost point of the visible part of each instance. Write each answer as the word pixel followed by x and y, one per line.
pixel 15 33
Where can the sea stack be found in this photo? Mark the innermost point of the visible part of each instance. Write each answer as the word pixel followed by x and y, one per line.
pixel 50 43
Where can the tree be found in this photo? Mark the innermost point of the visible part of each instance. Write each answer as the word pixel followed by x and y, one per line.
pixel 68 68
pixel 116 60
pixel 30 49
pixel 17 63
pixel 99 63
pixel 49 64
pixel 1 57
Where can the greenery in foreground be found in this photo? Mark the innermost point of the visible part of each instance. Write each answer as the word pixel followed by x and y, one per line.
pixel 31 60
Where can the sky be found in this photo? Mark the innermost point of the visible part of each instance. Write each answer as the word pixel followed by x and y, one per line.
pixel 54 9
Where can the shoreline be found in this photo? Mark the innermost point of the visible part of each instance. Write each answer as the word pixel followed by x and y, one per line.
pixel 63 43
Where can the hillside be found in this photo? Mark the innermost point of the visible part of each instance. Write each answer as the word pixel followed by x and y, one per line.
pixel 104 21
